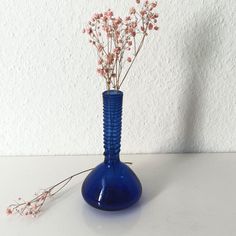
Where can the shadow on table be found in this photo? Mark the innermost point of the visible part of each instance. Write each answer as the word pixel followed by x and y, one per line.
pixel 158 175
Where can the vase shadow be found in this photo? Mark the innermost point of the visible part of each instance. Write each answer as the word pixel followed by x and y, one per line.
pixel 199 49
pixel 158 174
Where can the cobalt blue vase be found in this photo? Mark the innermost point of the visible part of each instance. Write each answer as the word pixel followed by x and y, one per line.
pixel 112 185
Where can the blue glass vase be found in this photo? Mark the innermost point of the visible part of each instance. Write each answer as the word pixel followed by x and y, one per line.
pixel 112 185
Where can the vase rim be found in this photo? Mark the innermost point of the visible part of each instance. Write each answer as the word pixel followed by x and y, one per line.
pixel 112 92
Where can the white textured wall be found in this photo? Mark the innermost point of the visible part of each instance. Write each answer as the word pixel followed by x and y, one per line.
pixel 180 95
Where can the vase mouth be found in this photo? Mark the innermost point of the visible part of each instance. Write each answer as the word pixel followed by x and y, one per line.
pixel 112 92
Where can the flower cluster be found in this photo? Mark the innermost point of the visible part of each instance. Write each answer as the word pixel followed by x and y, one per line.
pixel 33 207
pixel 118 41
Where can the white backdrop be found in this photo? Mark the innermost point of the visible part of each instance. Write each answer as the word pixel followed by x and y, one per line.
pixel 179 96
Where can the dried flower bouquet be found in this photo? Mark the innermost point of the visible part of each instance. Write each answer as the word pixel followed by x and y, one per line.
pixel 118 41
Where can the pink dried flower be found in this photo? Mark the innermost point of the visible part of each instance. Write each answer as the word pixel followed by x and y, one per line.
pixel 117 21
pixel 108 13
pixel 129 59
pixel 110 58
pixel 134 25
pixel 156 15
pixel 150 26
pixel 138 1
pixel 128 18
pixel 100 61
pixel 33 207
pixel 89 30
pixel 117 50
pixel 9 211
pixel 133 33
pixel 105 18
pixel 96 16
pixel 132 11
pixel 143 12
pixel 153 5
pixel 101 71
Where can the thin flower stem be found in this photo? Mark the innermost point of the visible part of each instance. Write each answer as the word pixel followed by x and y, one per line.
pixel 139 48
pixel 70 178
pixel 134 46
pixel 52 194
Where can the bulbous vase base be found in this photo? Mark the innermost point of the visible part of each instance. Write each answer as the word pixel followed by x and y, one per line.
pixel 111 186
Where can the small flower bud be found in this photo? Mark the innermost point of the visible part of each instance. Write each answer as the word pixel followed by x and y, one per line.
pixel 9 211
pixel 132 11
pixel 150 26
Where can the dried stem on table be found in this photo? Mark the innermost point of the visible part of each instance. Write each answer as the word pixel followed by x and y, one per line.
pixel 33 206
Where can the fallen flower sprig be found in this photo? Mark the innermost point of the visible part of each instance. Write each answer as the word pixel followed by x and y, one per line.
pixel 33 207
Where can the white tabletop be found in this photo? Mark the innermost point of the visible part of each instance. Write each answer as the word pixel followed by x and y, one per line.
pixel 183 194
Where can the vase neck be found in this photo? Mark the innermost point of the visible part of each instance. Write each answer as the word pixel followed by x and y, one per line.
pixel 112 113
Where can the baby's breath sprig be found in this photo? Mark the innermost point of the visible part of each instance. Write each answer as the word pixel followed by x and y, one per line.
pixel 33 207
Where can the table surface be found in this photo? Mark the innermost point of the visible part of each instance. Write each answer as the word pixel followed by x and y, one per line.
pixel 183 194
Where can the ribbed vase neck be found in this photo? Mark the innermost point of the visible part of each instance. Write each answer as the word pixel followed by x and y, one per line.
pixel 112 114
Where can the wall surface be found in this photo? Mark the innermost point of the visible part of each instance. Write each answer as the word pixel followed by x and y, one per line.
pixel 180 94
